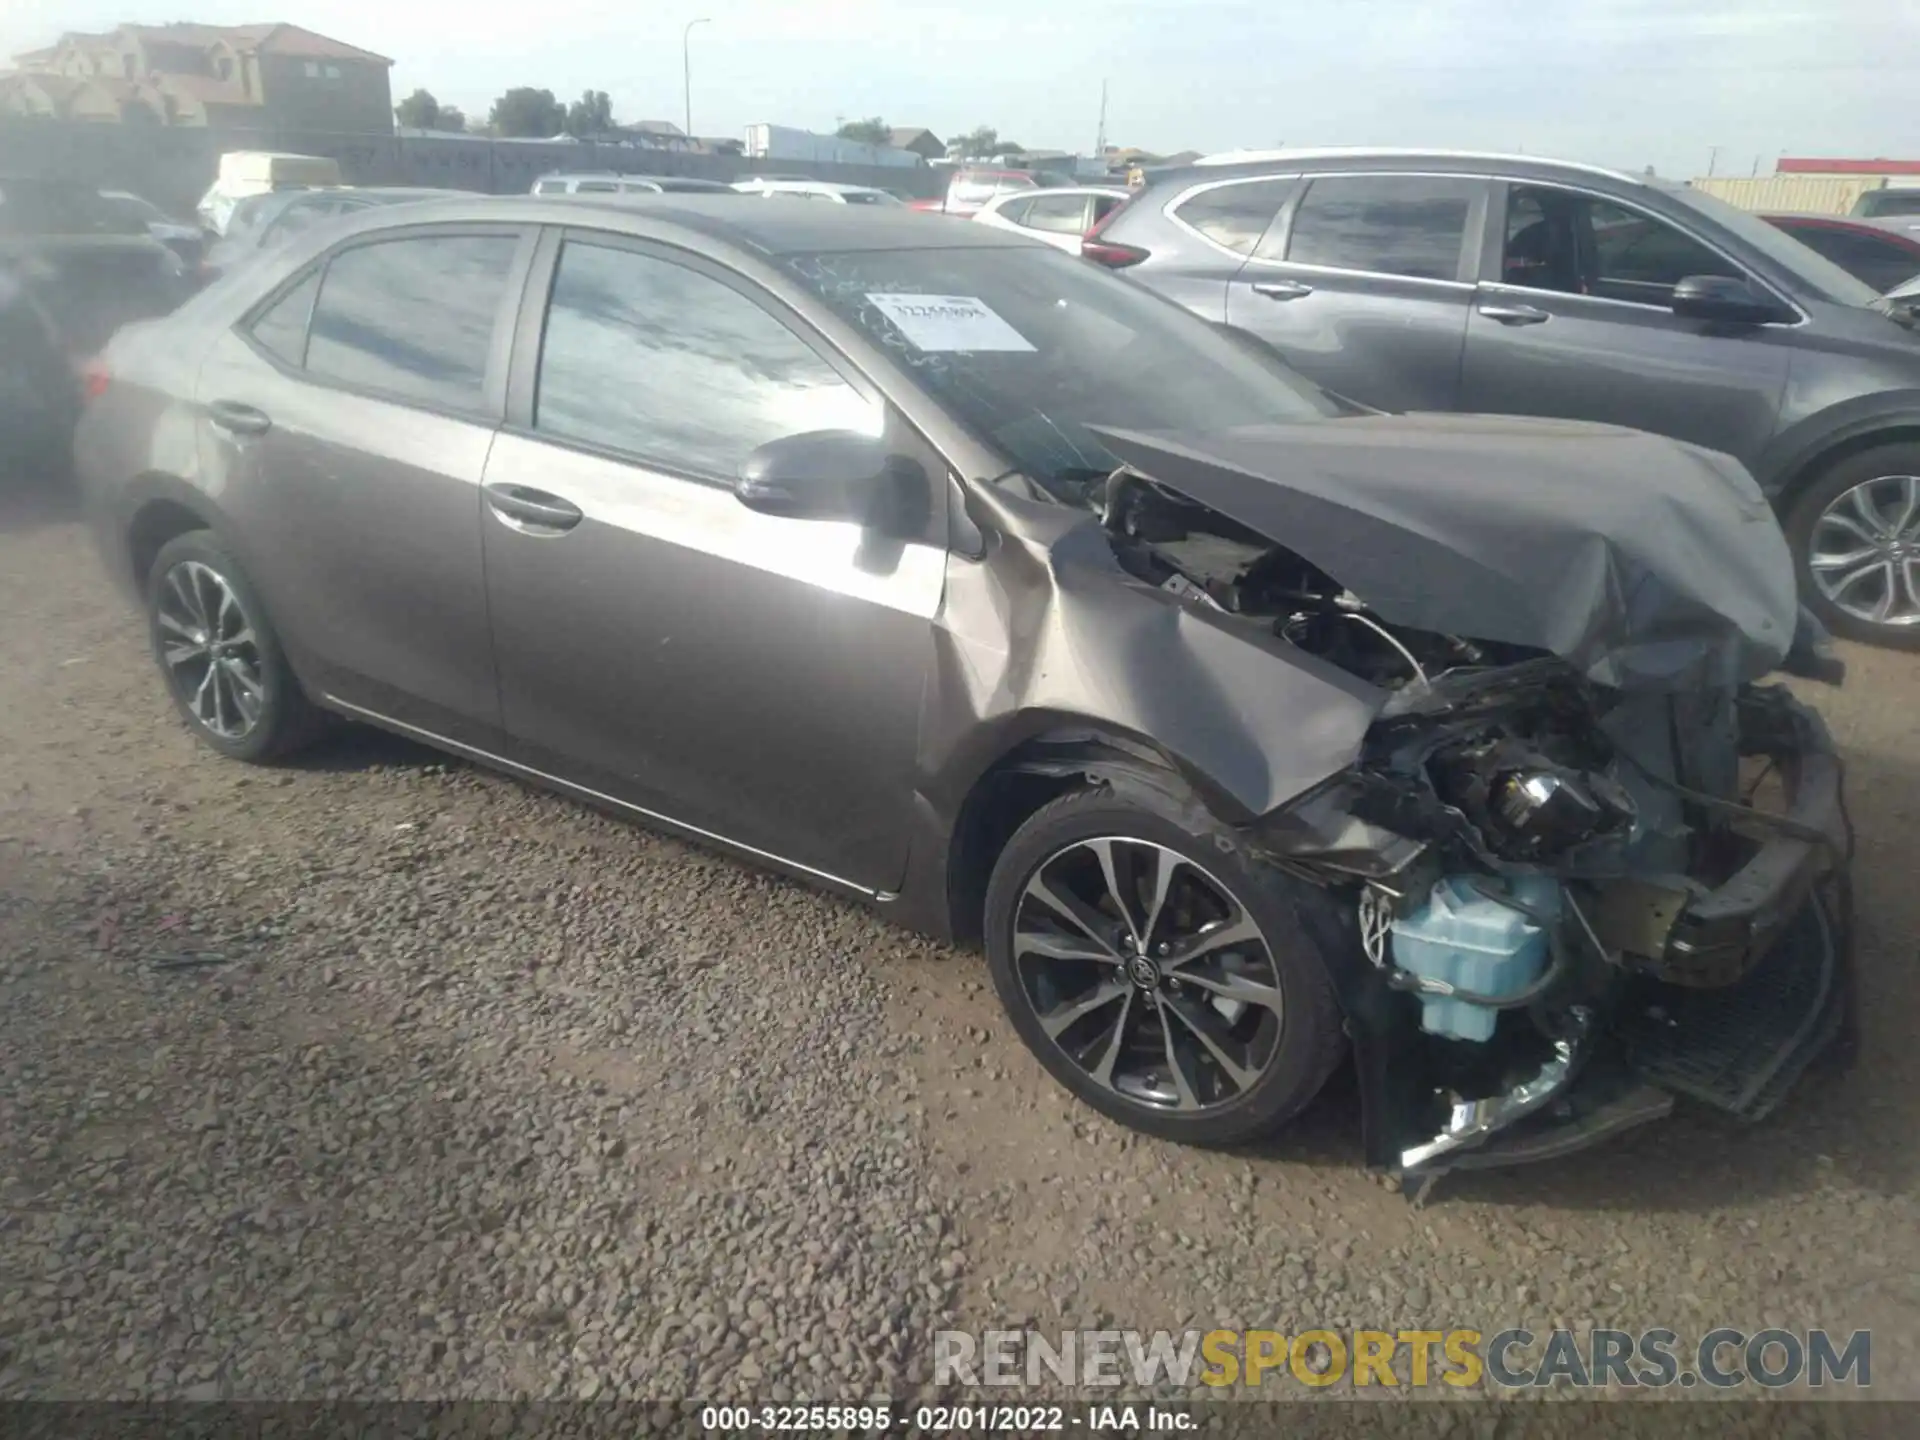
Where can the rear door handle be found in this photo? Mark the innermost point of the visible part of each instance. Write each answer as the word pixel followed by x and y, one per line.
pixel 1281 289
pixel 532 512
pixel 240 419
pixel 1515 314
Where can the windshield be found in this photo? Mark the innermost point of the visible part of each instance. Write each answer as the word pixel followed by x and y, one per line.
pixel 1813 270
pixel 977 188
pixel 132 207
pixel 1028 347
pixel 54 207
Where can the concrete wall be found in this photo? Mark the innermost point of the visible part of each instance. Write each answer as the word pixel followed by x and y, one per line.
pixel 173 166
pixel 1821 194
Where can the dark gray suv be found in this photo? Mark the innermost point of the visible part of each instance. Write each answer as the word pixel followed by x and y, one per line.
pixel 1439 281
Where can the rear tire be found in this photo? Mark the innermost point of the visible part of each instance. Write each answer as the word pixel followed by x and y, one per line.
pixel 1251 1025
pixel 1855 533
pixel 219 656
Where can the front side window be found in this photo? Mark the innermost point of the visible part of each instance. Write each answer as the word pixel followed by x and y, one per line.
pixel 1637 257
pixel 595 187
pixel 413 317
pixel 654 360
pixel 1411 225
pixel 1236 216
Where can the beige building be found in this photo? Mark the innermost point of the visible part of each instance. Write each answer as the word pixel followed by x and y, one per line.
pixel 236 75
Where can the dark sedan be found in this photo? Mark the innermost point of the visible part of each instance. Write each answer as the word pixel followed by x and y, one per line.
pixel 943 570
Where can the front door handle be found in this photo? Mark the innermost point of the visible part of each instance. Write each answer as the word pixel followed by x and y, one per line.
pixel 1281 289
pixel 532 512
pixel 1515 314
pixel 240 419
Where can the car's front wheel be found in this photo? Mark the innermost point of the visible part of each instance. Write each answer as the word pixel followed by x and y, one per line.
pixel 1158 971
pixel 1856 535
pixel 221 660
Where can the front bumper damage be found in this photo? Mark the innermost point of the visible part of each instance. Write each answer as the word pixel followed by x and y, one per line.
pixel 1737 988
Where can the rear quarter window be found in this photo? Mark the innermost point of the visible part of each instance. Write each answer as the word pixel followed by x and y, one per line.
pixel 1236 215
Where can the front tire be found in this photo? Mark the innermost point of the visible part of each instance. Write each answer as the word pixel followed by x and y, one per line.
pixel 219 656
pixel 1855 533
pixel 1158 971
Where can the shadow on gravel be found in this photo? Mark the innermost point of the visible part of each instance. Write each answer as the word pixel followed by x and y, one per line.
pixel 347 748
pixel 30 502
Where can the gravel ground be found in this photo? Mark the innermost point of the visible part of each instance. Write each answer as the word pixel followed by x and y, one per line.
pixel 380 1076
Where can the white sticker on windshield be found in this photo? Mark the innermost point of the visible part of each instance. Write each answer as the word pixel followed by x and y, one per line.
pixel 948 322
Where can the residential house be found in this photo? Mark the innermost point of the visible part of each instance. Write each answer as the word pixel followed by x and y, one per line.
pixel 922 142
pixel 244 76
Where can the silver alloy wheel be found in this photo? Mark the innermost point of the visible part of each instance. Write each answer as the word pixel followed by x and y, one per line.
pixel 1148 973
pixel 1864 553
pixel 208 646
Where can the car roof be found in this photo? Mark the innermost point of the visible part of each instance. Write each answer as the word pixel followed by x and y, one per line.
pixel 768 229
pixel 1233 163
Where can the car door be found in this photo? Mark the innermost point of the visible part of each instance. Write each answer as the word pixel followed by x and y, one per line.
pixel 1573 318
pixel 752 677
pixel 345 429
pixel 1364 284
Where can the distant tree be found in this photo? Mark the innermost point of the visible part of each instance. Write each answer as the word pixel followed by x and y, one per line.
pixel 871 131
pixel 978 141
pixel 419 111
pixel 591 114
pixel 451 118
pixel 1006 147
pixel 526 112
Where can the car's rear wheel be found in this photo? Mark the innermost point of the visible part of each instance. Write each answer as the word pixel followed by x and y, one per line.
pixel 1157 971
pixel 1856 535
pixel 221 660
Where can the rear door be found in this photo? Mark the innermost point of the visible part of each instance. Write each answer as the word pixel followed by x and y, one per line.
pixel 1364 283
pixel 1574 319
pixel 1219 225
pixel 345 427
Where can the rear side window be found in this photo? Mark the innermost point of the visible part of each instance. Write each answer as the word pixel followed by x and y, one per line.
pixel 1061 214
pixel 595 187
pixel 413 317
pixel 281 329
pixel 658 361
pixel 1412 225
pixel 1236 216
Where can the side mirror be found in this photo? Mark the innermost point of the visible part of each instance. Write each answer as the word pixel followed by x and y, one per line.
pixel 821 475
pixel 1723 298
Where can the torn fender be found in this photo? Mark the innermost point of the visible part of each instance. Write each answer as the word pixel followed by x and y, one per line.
pixel 1643 562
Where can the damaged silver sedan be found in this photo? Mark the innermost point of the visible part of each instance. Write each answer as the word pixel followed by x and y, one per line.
pixel 1247 730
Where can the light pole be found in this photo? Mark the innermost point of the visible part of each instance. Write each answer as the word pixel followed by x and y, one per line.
pixel 686 66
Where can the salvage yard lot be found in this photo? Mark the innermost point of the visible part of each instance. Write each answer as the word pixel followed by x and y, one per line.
pixel 381 1075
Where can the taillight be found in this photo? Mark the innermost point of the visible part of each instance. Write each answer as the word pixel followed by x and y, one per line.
pixel 1107 252
pixel 95 378
pixel 1114 257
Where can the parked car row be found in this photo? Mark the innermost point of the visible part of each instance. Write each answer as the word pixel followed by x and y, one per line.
pixel 1410 281
pixel 1247 729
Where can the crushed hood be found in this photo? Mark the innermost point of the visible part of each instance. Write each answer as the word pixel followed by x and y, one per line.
pixel 1643 562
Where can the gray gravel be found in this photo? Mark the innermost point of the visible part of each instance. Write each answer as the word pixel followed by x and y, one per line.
pixel 384 1077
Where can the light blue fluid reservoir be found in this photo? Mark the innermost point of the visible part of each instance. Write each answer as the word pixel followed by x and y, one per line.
pixel 1475 943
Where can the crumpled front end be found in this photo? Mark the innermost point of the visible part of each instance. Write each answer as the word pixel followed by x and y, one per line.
pixel 1552 911
pixel 1585 861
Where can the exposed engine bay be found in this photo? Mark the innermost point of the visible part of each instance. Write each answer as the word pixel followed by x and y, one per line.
pixel 1542 876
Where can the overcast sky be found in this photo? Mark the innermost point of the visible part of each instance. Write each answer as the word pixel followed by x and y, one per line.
pixel 1625 82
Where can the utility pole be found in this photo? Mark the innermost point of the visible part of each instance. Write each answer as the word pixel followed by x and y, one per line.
pixel 686 67
pixel 1100 135
pixel 1713 159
